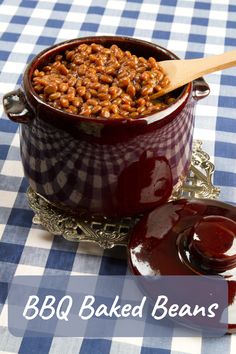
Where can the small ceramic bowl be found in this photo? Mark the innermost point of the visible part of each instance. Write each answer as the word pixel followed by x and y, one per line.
pixel 106 166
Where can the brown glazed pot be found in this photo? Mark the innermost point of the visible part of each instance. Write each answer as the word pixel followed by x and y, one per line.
pixel 109 167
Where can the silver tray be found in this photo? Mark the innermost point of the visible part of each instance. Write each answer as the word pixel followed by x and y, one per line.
pixel 110 232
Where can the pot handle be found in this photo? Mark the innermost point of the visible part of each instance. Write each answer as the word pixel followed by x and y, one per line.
pixel 200 89
pixel 16 107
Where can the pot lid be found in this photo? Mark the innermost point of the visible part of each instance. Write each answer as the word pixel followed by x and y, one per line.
pixel 188 237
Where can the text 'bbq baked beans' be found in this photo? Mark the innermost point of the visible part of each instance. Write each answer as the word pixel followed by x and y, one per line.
pixel 95 81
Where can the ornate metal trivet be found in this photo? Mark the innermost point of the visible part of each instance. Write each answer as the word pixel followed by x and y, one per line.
pixel 110 232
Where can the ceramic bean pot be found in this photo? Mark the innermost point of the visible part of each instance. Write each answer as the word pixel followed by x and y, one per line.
pixel 106 166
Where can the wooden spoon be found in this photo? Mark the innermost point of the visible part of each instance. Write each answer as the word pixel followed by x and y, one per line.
pixel 181 72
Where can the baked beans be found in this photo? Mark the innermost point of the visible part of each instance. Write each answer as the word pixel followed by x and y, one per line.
pixel 92 80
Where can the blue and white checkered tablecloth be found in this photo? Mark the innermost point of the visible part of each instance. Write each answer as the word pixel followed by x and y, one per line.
pixel 191 29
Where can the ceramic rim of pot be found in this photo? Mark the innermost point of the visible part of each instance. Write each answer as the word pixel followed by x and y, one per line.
pixel 45 55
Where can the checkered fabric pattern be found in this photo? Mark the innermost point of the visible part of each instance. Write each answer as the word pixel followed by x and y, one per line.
pixel 190 28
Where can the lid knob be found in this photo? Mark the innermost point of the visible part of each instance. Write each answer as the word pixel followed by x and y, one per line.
pixel 213 244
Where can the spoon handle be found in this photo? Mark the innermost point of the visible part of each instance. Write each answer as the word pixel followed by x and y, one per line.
pixel 211 64
pixel 181 72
